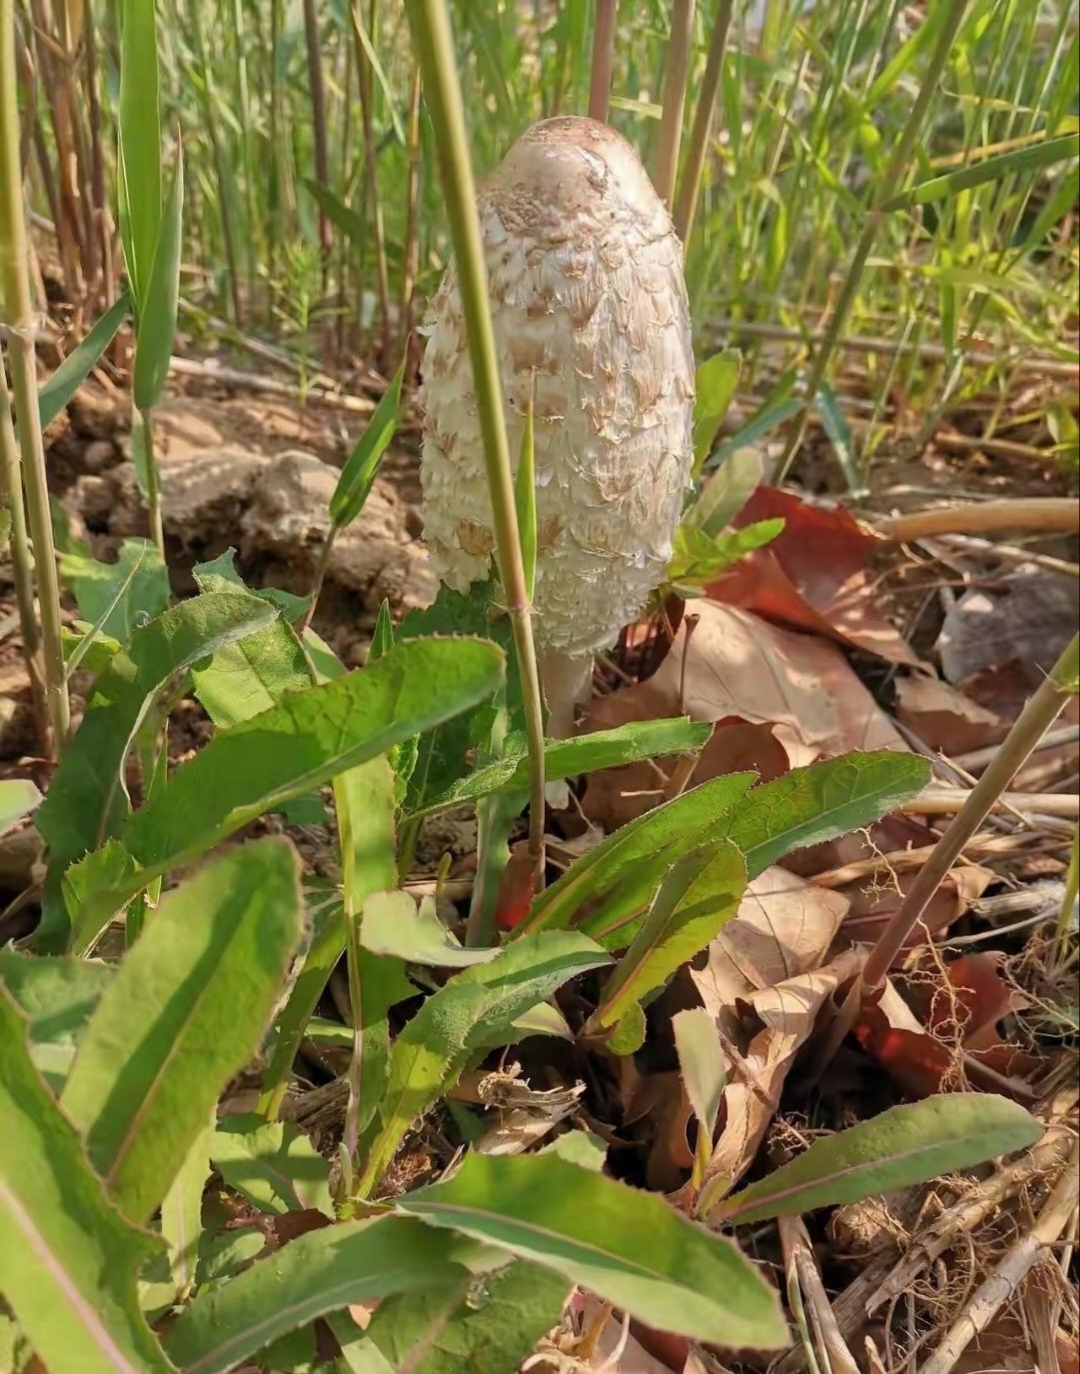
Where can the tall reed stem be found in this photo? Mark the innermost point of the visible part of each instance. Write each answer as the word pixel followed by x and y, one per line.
pixel 603 56
pixel 676 71
pixel 429 23
pixel 22 562
pixel 18 317
pixel 886 188
pixel 690 182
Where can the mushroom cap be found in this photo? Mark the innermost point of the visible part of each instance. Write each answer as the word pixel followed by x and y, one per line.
pixel 589 305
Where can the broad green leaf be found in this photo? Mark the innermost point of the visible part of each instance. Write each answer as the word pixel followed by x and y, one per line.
pixel 901 1147
pixel 319 1272
pixel 86 802
pixel 106 869
pixel 695 900
pixel 118 597
pixel 474 1010
pixel 1026 161
pixel 139 122
pixel 248 677
pixel 54 394
pixel 186 1010
pixel 488 1324
pixel 727 491
pixel 68 1260
pixel 273 1164
pixel 18 797
pixel 809 805
pixel 717 378
pixel 358 475
pixel 688 818
pixel 583 1148
pixel 626 1246
pixel 393 924
pixel 698 558
pixel 803 807
pixel 300 744
pixel 834 422
pixel 156 327
pixel 701 1063
pixel 306 740
pixel 58 997
pixel 565 758
pixel 181 1214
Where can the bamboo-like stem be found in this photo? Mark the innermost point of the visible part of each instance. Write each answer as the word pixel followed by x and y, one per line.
pixel 690 182
pixel 371 169
pixel 676 71
pixel 22 562
pixel 206 92
pixel 15 294
pixel 153 484
pixel 603 59
pixel 411 258
pixel 980 517
pixel 1015 750
pixel 884 191
pixel 318 117
pixel 429 23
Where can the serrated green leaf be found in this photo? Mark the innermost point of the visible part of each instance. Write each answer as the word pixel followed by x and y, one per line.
pixel 321 1272
pixel 727 491
pixel 18 797
pixel 688 818
pixel 68 1260
pixel 86 803
pixel 901 1147
pixel 186 1011
pixel 714 390
pixel 803 807
pixel 565 758
pixel 698 558
pixel 394 924
pixel 58 997
pixel 358 475
pixel 474 1010
pixel 488 1324
pixel 118 597
pixel 626 1246
pixel 273 1164
pixel 55 394
pixel 156 328
pixel 181 1214
pixel 694 901
pixel 306 740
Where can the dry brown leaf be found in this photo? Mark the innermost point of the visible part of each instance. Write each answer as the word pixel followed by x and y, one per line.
pixel 784 928
pixel 873 903
pixel 814 576
pixel 788 1013
pixel 944 718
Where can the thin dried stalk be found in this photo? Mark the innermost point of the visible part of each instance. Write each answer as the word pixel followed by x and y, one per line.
pixel 676 71
pixel 429 23
pixel 603 58
pixel 22 562
pixel 318 115
pixel 412 214
pixel 1009 1274
pixel 690 183
pixel 980 517
pixel 15 293
pixel 371 168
